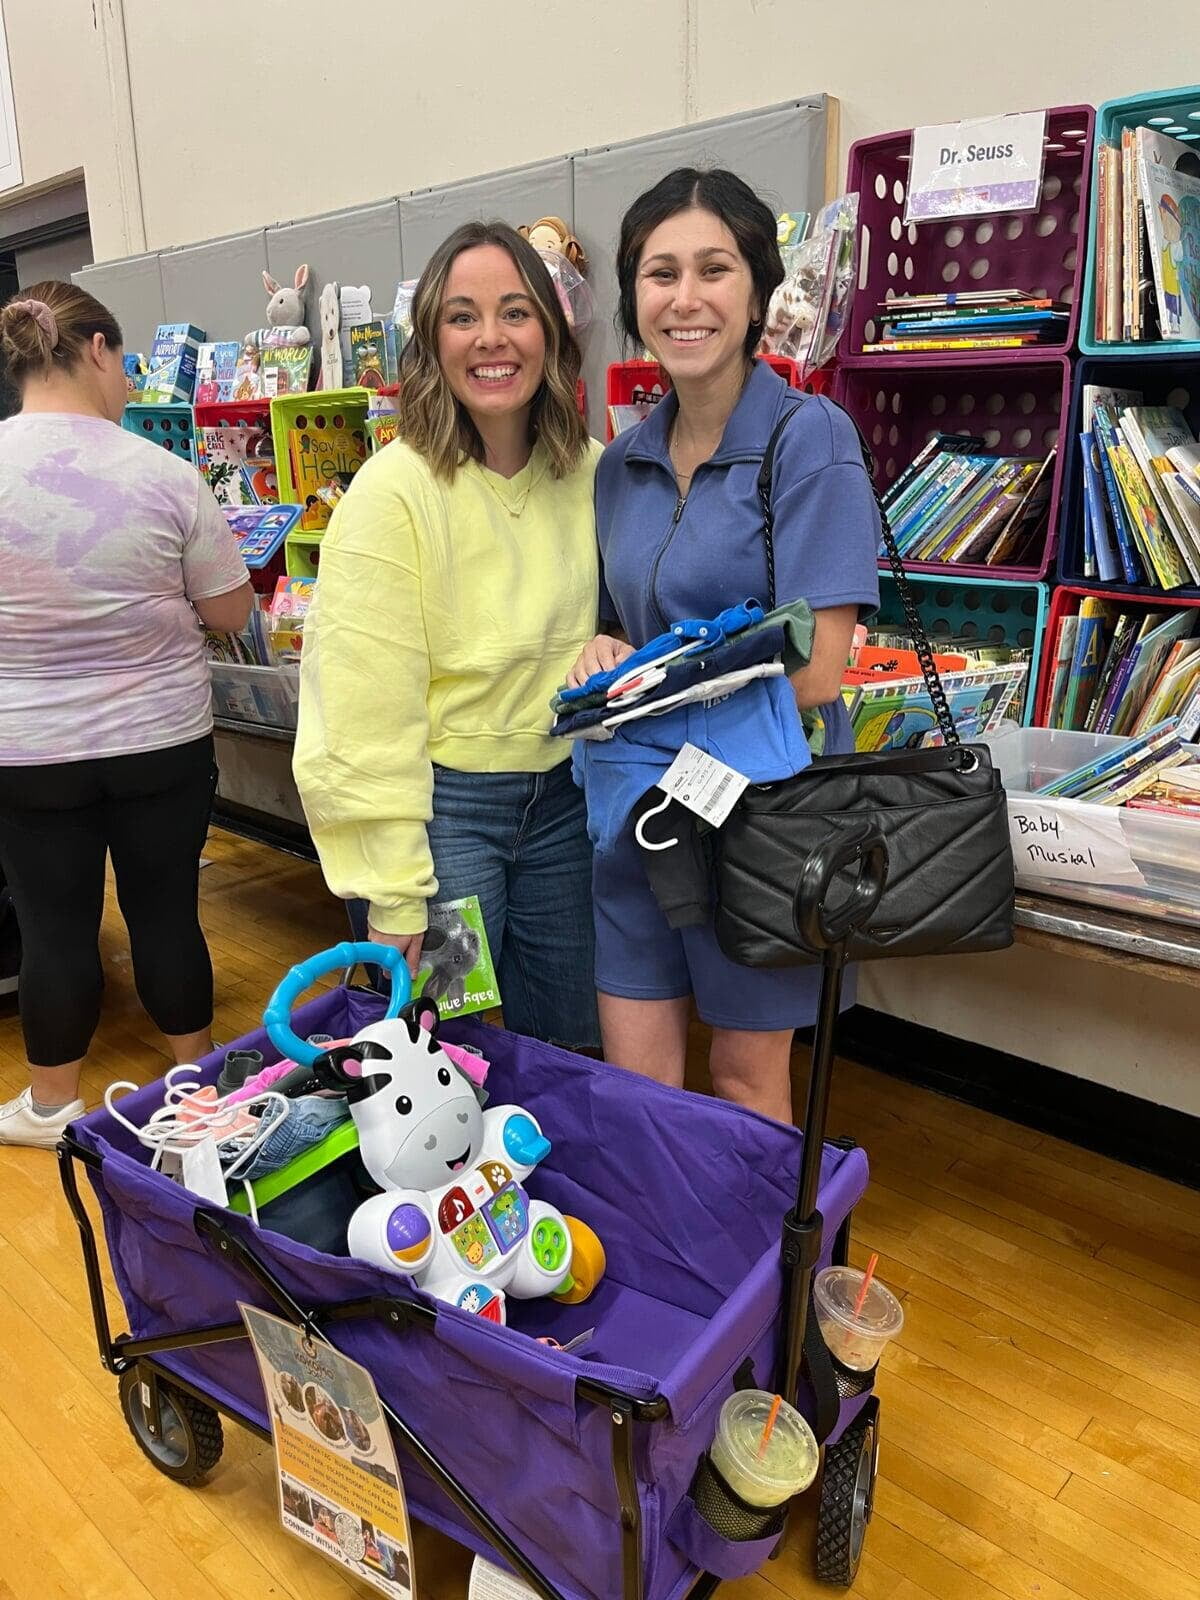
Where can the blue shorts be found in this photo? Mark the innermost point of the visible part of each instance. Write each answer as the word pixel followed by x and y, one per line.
pixel 640 957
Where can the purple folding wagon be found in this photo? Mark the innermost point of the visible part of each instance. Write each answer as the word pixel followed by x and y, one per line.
pixel 576 1469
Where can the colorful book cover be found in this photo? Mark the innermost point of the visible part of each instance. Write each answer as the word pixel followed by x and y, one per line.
pixel 285 370
pixel 456 967
pixel 369 353
pixel 1118 646
pixel 382 429
pixel 1064 651
pixel 323 460
pixel 1169 180
pixel 1093 488
pixel 1101 408
pixel 216 371
pixel 172 364
pixel 1152 432
pixel 238 464
pixel 1031 494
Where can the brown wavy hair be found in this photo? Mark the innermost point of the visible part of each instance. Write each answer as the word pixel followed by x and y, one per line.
pixel 33 345
pixel 432 420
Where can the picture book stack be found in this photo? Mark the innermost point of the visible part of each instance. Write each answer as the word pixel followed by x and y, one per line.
pixel 273 635
pixel 1141 480
pixel 1148 238
pixel 890 707
pixel 1152 770
pixel 975 319
pixel 1120 669
pixel 956 503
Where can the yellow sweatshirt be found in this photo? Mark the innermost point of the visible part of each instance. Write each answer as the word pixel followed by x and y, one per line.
pixel 445 617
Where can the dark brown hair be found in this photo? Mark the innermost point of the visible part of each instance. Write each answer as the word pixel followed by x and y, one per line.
pixel 48 325
pixel 431 420
pixel 731 201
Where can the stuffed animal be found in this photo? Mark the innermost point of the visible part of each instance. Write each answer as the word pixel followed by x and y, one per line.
pixel 552 233
pixel 285 313
pixel 449 954
pixel 331 344
pixel 453 1213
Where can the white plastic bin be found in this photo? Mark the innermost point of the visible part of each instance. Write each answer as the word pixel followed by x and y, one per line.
pixel 1142 862
pixel 256 694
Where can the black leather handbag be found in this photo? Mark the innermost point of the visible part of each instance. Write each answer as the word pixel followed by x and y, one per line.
pixel 941 813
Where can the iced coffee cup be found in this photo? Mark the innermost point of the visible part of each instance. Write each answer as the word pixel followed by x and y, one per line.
pixel 763 1471
pixel 855 1335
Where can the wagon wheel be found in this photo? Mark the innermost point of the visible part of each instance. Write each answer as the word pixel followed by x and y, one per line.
pixel 190 1441
pixel 847 1498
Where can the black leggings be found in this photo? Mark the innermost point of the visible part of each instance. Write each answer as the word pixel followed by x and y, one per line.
pixel 57 823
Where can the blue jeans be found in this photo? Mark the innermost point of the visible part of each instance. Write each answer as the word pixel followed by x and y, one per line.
pixel 519 841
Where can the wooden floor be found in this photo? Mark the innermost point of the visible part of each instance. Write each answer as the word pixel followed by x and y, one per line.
pixel 1041 1411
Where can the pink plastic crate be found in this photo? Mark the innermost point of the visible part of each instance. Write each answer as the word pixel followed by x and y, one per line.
pixel 1037 250
pixel 1017 408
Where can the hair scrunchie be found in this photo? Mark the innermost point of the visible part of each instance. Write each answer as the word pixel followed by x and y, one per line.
pixel 42 315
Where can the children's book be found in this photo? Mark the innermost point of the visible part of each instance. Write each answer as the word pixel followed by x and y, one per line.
pixel 456 967
pixel 1169 180
pixel 172 366
pixel 238 464
pixel 260 530
pixel 285 370
pixel 370 353
pixel 899 715
pixel 323 462
pixel 216 369
pixel 286 616
pixel 382 428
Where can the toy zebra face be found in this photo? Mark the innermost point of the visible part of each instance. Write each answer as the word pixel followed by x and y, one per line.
pixel 418 1119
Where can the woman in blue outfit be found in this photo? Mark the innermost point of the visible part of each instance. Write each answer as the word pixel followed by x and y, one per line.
pixel 680 526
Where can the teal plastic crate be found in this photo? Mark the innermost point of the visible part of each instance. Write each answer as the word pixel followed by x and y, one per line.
pixel 976 608
pixel 1173 111
pixel 169 425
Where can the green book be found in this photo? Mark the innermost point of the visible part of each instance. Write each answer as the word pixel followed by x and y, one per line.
pixel 456 963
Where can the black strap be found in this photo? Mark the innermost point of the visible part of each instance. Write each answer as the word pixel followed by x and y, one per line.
pixel 818 1366
pixel 912 616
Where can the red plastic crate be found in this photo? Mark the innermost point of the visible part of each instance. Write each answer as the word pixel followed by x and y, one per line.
pixel 1017 408
pixel 234 414
pixel 1065 601
pixel 628 379
pixel 1037 250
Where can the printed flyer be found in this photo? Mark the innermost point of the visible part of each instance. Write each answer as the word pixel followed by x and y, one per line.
pixel 339 1487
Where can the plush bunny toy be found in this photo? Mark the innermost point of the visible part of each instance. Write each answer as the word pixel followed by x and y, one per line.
pixel 285 311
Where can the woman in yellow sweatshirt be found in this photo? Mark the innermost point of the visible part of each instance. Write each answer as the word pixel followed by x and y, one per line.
pixel 458 583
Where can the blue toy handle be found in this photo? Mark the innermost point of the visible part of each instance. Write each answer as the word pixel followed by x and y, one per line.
pixel 277 1018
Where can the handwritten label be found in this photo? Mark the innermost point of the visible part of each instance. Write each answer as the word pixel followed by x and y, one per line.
pixel 1069 841
pixel 967 169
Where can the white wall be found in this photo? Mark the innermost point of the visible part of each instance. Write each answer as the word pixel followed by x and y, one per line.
pixel 249 113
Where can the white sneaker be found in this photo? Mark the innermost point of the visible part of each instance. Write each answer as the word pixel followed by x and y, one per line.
pixel 20 1124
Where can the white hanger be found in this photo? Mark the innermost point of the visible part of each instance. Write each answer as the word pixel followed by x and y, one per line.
pixel 648 844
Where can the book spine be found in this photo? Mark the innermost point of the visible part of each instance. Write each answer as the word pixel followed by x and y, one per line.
pixel 1093 487
pixel 1126 545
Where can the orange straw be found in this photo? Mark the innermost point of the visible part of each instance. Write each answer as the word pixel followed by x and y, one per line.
pixel 770 1426
pixel 866 1283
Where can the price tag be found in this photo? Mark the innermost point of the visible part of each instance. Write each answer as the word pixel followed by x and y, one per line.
pixel 1067 840
pixel 703 784
pixel 967 169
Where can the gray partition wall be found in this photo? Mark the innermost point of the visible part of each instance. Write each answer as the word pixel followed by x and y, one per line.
pixel 781 151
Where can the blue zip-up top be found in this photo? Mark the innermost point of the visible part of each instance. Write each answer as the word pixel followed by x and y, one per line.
pixel 663 557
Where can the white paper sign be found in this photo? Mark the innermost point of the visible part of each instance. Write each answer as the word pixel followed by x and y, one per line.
pixel 967 169
pixel 1070 841
pixel 490 1583
pixel 703 784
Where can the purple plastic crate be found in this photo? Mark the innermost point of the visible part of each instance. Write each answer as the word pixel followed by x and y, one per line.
pixel 1035 250
pixel 1017 408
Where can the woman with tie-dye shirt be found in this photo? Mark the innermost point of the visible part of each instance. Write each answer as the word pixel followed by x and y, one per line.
pixel 112 552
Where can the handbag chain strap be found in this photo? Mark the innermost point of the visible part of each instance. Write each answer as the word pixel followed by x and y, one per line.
pixel 912 616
